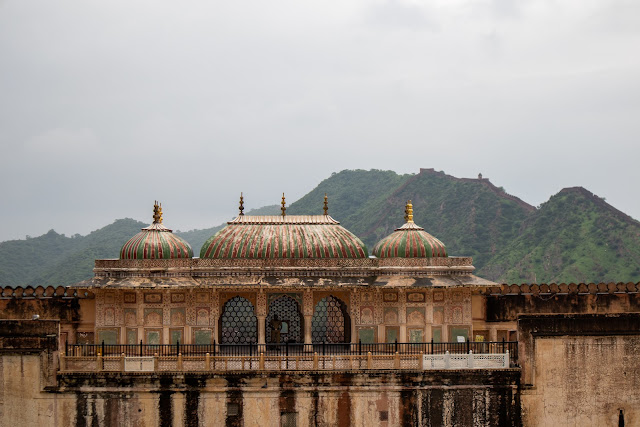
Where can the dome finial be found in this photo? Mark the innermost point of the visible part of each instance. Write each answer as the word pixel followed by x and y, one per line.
pixel 157 213
pixel 408 212
pixel 283 208
pixel 241 207
pixel 326 204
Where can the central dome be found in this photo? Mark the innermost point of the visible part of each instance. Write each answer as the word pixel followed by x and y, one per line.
pixel 290 236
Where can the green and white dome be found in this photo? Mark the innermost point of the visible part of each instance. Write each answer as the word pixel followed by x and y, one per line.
pixel 156 242
pixel 409 241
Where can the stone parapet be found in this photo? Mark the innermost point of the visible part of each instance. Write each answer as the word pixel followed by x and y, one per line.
pixel 40 292
pixel 563 288
pixel 28 336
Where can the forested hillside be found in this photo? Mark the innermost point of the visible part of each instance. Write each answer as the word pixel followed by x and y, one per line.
pixel 574 237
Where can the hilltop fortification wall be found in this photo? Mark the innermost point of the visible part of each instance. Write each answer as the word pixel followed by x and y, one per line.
pixel 484 181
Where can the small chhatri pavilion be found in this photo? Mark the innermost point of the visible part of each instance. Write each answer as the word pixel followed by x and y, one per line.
pixel 156 242
pixel 409 241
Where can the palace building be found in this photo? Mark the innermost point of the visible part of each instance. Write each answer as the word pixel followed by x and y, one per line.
pixel 290 320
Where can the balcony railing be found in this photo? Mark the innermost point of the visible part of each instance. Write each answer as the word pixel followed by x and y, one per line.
pixel 293 349
pixel 291 356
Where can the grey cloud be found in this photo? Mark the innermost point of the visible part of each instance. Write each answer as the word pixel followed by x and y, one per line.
pixel 109 106
pixel 401 14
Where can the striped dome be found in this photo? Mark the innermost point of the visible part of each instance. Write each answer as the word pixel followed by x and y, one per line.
pixel 156 242
pixel 409 241
pixel 291 236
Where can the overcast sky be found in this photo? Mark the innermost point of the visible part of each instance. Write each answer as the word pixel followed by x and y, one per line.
pixel 108 105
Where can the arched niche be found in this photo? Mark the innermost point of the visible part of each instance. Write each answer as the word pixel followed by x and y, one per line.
pixel 330 323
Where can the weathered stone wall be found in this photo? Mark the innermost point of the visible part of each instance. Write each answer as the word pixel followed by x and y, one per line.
pixel 585 381
pixel 65 310
pixel 445 398
pixel 580 369
pixel 453 398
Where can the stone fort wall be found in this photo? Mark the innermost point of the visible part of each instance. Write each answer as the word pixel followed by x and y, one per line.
pixel 580 369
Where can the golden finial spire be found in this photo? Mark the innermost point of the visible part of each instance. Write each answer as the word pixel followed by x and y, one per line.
pixel 157 213
pixel 283 208
pixel 408 212
pixel 241 207
pixel 326 204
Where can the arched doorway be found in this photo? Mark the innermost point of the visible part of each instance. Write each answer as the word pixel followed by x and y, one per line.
pixel 238 323
pixel 330 323
pixel 288 314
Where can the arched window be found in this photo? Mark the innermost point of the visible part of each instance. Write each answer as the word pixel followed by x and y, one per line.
pixel 288 315
pixel 330 322
pixel 238 323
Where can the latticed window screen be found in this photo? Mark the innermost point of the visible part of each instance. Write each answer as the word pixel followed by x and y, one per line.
pixel 239 324
pixel 287 310
pixel 330 322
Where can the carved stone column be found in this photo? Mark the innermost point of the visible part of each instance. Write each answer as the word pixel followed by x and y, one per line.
pixel 307 329
pixel 402 315
pixel 261 329
pixel 307 311
pixel 261 313
pixel 354 303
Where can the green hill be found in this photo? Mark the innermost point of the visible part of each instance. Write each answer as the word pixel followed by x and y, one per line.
pixel 350 192
pixel 20 260
pixel 573 237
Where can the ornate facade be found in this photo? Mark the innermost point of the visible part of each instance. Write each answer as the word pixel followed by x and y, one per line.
pixel 307 273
